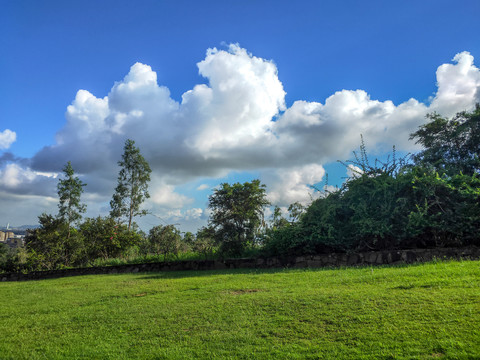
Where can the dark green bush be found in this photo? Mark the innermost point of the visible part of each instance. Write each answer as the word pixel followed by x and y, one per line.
pixel 414 208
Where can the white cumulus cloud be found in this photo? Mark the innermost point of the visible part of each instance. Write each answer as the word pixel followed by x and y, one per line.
pixel 165 196
pixel 236 121
pixel 16 179
pixel 458 85
pixel 286 186
pixel 7 138
pixel 203 187
pixel 354 171
pixel 239 120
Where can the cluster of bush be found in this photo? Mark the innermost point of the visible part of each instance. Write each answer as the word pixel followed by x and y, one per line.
pixel 430 199
pixel 96 241
pixel 417 207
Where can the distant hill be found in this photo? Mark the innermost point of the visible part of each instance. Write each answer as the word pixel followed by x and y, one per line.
pixel 19 229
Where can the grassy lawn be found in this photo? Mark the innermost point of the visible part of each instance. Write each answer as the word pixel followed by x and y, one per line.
pixel 417 312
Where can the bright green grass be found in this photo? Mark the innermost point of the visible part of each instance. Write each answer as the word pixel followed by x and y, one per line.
pixel 416 312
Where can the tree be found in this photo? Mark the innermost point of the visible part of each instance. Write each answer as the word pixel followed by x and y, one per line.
pixel 296 210
pixel 277 219
pixel 48 247
pixel 132 187
pixel 237 215
pixel 205 241
pixel 452 145
pixel 165 240
pixel 104 238
pixel 70 189
pixel 392 205
pixel 56 243
pixel 189 239
pixel 4 255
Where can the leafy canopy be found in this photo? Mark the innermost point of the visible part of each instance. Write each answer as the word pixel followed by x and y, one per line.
pixel 452 145
pixel 237 214
pixel 165 240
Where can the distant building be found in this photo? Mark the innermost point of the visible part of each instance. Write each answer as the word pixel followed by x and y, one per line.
pixel 12 240
pixel 16 241
pixel 4 236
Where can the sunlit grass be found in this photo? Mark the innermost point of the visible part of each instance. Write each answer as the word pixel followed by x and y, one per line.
pixel 416 312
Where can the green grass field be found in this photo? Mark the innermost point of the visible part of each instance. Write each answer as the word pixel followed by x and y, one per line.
pixel 425 311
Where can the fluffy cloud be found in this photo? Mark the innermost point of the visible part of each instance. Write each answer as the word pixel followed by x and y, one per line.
pixel 165 196
pixel 7 138
pixel 236 111
pixel 236 121
pixel 458 85
pixel 15 179
pixel 203 187
pixel 190 219
pixel 25 209
pixel 354 171
pixel 312 132
pixel 286 186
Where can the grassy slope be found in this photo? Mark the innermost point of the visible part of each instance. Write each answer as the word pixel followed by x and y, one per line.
pixel 422 311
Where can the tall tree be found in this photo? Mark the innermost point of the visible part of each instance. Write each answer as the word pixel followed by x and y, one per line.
pixel 70 188
pixel 132 187
pixel 237 214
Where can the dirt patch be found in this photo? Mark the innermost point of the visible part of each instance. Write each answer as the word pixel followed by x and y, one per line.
pixel 244 291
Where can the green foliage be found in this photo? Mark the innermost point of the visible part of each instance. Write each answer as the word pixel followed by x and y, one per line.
pixel 285 237
pixel 54 244
pixel 278 221
pixel 104 238
pixel 189 238
pixel 447 211
pixel 287 240
pixel 5 257
pixel 432 201
pixel 69 191
pixel 4 250
pixel 205 242
pixel 237 215
pixel 361 165
pixel 451 146
pixel 390 205
pixel 417 208
pixel 296 210
pixel 132 186
pixel 165 240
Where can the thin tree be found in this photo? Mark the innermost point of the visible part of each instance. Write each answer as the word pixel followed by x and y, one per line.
pixel 70 188
pixel 132 186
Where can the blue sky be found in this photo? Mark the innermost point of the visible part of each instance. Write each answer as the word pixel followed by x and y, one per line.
pixel 275 65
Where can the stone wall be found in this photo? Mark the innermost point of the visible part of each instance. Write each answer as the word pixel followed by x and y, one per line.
pixel 311 261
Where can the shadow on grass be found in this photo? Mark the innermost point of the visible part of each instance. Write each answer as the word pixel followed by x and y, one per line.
pixel 178 274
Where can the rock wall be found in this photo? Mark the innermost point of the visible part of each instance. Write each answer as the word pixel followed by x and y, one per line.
pixel 311 261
